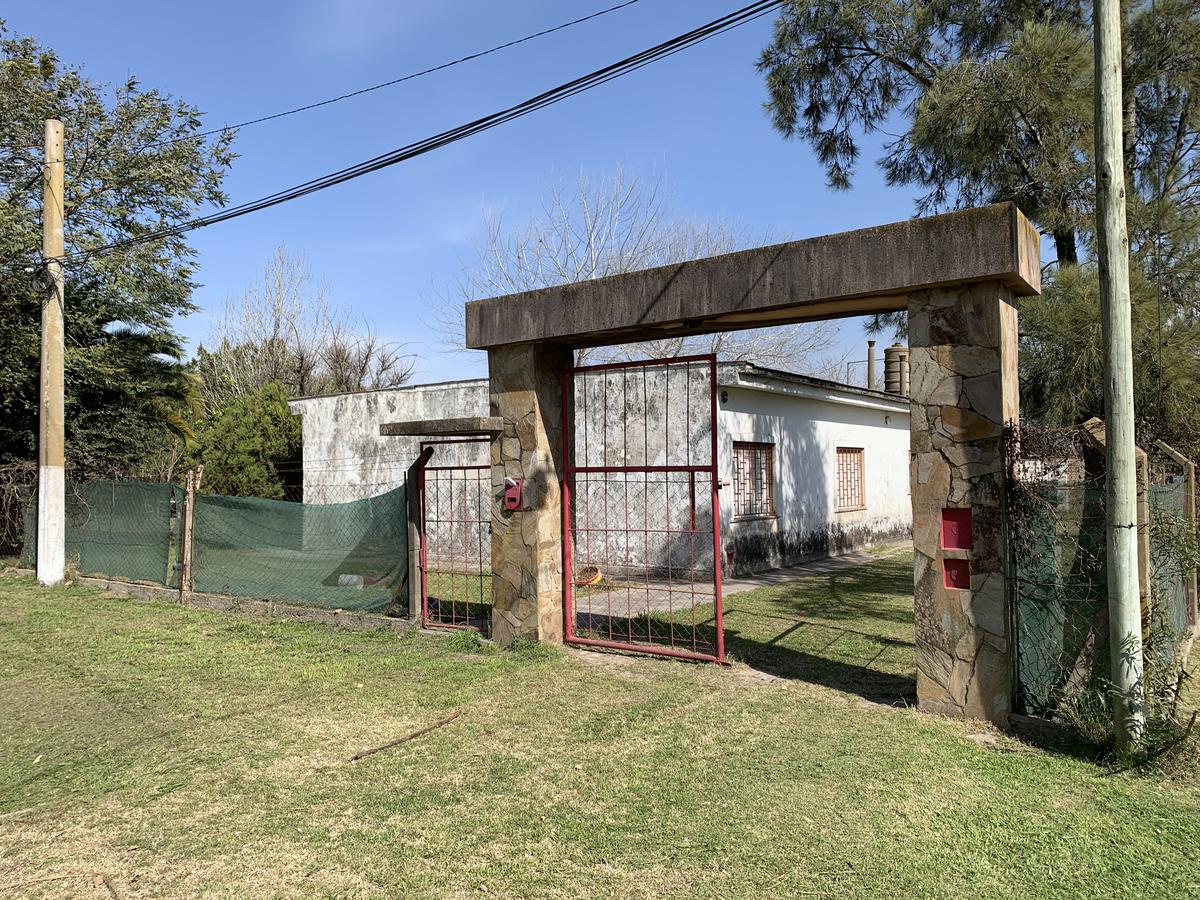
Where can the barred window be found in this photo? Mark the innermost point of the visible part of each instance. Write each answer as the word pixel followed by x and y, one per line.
pixel 753 479
pixel 850 493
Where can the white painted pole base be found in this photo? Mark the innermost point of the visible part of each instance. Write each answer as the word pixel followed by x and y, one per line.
pixel 51 525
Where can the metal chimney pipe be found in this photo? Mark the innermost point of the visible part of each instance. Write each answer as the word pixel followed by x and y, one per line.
pixel 892 378
pixel 870 365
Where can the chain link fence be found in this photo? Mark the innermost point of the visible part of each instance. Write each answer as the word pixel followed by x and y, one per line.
pixel 1058 549
pixel 1172 578
pixel 125 530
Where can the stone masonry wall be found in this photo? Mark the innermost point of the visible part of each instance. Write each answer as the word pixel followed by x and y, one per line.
pixel 964 389
pixel 526 392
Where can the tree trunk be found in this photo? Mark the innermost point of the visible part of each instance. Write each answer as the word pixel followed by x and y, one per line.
pixel 1064 247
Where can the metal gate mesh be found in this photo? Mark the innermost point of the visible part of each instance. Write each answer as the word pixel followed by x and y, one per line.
pixel 641 518
pixel 456 535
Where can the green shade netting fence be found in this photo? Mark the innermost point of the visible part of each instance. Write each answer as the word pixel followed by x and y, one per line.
pixel 122 529
pixel 1060 584
pixel 350 556
pixel 1058 537
pixel 1170 582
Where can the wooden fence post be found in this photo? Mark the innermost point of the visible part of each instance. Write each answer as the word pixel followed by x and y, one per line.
pixel 185 536
pixel 1142 467
pixel 1193 507
pixel 186 582
pixel 1094 430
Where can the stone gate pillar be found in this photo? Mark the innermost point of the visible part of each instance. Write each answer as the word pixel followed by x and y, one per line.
pixel 963 362
pixel 526 394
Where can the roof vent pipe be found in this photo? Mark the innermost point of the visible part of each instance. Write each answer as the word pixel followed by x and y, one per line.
pixel 870 365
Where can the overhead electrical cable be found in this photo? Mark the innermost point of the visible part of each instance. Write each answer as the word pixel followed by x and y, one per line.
pixel 547 98
pixel 226 129
pixel 230 129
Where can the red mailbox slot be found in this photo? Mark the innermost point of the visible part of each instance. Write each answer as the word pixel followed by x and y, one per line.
pixel 956 529
pixel 958 573
pixel 512 493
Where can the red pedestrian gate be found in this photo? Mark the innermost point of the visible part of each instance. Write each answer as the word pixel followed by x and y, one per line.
pixel 641 517
pixel 456 534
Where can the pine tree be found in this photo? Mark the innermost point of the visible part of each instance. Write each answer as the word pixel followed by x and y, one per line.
pixel 992 101
pixel 244 444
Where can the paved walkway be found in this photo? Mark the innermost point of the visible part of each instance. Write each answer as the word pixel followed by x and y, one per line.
pixel 634 597
pixel 814 567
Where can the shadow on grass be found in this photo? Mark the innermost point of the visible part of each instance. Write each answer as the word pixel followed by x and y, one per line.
pixel 871 666
pixel 444 613
pixel 861 679
pixel 878 593
pixel 850 630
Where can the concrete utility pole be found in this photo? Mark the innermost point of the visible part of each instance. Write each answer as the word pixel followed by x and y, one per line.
pixel 51 480
pixel 1124 602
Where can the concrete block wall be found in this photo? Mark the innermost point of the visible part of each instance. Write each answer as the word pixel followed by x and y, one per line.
pixel 345 458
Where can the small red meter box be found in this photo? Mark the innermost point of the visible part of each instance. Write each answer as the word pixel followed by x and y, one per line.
pixel 956 529
pixel 512 493
pixel 958 573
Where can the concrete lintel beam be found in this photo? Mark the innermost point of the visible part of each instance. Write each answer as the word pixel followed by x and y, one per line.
pixel 472 425
pixel 852 273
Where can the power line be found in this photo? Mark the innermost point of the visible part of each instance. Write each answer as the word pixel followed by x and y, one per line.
pixel 386 84
pixel 547 98
pixel 230 129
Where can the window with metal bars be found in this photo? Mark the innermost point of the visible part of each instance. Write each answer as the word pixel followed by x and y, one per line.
pixel 850 482
pixel 753 479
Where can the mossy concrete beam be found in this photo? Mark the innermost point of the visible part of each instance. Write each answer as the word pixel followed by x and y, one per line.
pixel 848 274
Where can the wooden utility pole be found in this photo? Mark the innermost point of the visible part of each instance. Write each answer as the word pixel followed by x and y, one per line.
pixel 1112 240
pixel 51 534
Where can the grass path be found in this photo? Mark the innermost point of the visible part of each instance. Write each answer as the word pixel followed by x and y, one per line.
pixel 190 754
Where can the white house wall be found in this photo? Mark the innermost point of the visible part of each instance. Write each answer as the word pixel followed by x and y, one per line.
pixel 345 458
pixel 806 432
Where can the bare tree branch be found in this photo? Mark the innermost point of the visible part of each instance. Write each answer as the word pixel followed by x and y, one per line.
pixel 607 227
pixel 281 330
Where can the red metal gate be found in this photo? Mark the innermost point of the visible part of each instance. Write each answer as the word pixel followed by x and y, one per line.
pixel 641 518
pixel 456 534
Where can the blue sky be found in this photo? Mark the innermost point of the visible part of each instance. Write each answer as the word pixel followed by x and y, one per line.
pixel 389 244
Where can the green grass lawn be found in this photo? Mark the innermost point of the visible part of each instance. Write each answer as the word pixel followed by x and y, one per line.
pixel 189 754
pixel 852 629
